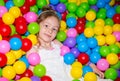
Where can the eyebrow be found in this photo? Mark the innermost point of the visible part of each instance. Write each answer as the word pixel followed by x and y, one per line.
pixel 51 24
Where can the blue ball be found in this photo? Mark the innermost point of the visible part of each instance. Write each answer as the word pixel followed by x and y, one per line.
pixel 9 4
pixel 92 42
pixel 69 58
pixel 71 22
pixel 96 49
pixel 94 57
pixel 82 47
pixel 111 12
pixel 15 43
pixel 80 38
pixel 107 6
pixel 86 69
pixel 54 2
pixel 88 51
pixel 100 3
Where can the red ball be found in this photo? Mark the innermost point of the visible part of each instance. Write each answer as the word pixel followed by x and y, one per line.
pixel 1 22
pixel 5 30
pixel 118 56
pixel 25 8
pixel 81 21
pixel 80 28
pixel 20 20
pixel 46 78
pixel 16 35
pixel 83 58
pixel 27 73
pixel 64 14
pixel 26 44
pixel 117 79
pixel 3 60
pixel 21 28
pixel 116 18
pixel 31 2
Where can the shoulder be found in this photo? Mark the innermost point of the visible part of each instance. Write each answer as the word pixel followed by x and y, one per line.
pixel 58 42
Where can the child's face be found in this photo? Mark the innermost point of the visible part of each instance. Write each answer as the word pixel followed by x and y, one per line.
pixel 48 29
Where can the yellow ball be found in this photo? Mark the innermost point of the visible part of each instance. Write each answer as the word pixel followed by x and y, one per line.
pixel 118 44
pixel 20 67
pixel 98 30
pixel 10 58
pixel 8 72
pixel 74 1
pixel 100 40
pixel 47 1
pixel 78 2
pixel 76 72
pixel 90 15
pixel 107 30
pixel 15 11
pixel 116 27
pixel 63 25
pixel 8 18
pixel 88 32
pixel 84 1
pixel 112 58
pixel 25 79
pixel 99 22
pixel 33 39
pixel 77 64
pixel 0 37
pixel 90 76
pixel 17 53
pixel 112 2
pixel 110 39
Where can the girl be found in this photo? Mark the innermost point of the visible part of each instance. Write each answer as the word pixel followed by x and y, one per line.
pixel 49 48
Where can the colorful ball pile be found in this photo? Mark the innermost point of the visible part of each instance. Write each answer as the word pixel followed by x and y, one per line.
pixel 89 31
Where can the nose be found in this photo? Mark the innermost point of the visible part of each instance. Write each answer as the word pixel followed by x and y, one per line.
pixel 50 30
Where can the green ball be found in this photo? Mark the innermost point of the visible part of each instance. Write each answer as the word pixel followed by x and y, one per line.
pixel 2 3
pixel 109 21
pixel 118 9
pixel 80 12
pixel 114 48
pixel 18 3
pixel 13 30
pixel 90 24
pixel 85 6
pixel 34 9
pixel 63 1
pixel 0 72
pixel 116 66
pixel 101 15
pixel 104 51
pixel 92 2
pixel 39 70
pixel 72 7
pixel 102 10
pixel 111 74
pixel 41 3
pixel 61 36
pixel 71 15
pixel 33 28
pixel 75 80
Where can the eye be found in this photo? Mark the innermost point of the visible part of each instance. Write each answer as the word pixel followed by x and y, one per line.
pixel 54 29
pixel 46 26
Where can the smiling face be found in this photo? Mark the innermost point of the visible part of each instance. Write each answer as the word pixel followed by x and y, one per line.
pixel 48 29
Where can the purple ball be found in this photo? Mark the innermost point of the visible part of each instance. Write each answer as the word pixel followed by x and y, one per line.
pixel 75 51
pixel 118 73
pixel 94 7
pixel 70 42
pixel 35 78
pixel 61 8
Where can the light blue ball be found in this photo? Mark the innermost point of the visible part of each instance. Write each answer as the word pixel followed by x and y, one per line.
pixel 94 57
pixel 82 47
pixel 54 2
pixel 111 12
pixel 80 38
pixel 86 69
pixel 92 42
pixel 9 4
pixel 71 22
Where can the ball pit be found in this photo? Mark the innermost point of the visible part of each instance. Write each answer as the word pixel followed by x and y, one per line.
pixel 89 31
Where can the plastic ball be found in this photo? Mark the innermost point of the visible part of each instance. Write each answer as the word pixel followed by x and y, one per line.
pixel 27 73
pixel 81 21
pixel 114 48
pixel 62 25
pixel 71 32
pixel 3 79
pixel 17 53
pixel 102 64
pixel 110 39
pixel 8 18
pixel 116 27
pixel 25 79
pixel 80 12
pixel 71 22
pixel 64 50
pixel 92 42
pixel 89 32
pixel 25 60
pixel 9 4
pixel 33 38
pixel 34 9
pixel 75 51
pixel 107 30
pixel 79 28
pixel 82 46
pixel 46 78
pixel 77 64
pixel 99 22
pixel 90 15
pixel 3 10
pixel 112 58
pixel 34 58
pixel 8 72
pixel 31 2
pixel 96 49
pixel 92 2
pixel 111 74
pixel 117 9
pixel 25 8
pixel 94 7
pixel 39 70
pixel 80 38
pixel 98 30
pixel 109 21
pixel 3 60
pixel 95 57
pixel 116 66
pixel 70 42
pixel 41 3
pixel 72 7
pixel 110 12
pixel 55 2
pixel 4 46
pixel 117 35
pixel 90 76
pixel 18 3
pixel 83 58
pixel 104 51
pixel 35 78
pixel 101 40
pixel 61 7
pixel 101 14
pixel 116 18
pixel 85 6
pixel 19 67
pixel 86 69
pixel 90 24
pixel 61 36
pixel 76 72
pixel 15 43
pixel 100 4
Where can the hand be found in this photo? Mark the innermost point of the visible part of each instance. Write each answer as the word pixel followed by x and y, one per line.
pixel 97 71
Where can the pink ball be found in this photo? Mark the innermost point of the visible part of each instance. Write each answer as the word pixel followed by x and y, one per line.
pixel 4 46
pixel 64 50
pixel 102 64
pixel 2 10
pixel 34 58
pixel 72 32
pixel 30 17
pixel 117 35
pixel 3 79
